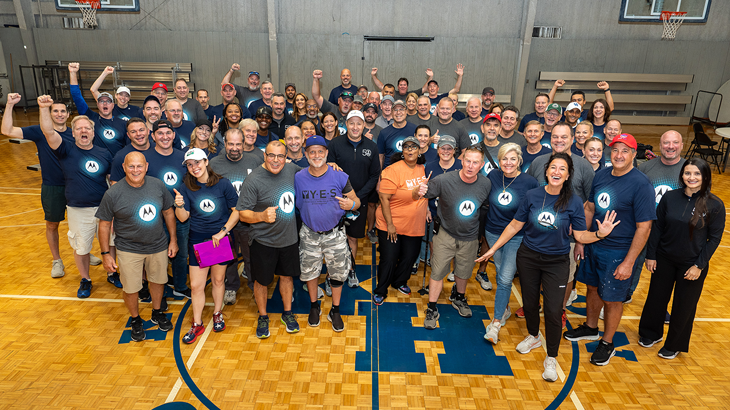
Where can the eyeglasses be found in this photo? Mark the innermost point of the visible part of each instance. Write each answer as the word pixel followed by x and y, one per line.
pixel 552 114
pixel 410 147
pixel 272 157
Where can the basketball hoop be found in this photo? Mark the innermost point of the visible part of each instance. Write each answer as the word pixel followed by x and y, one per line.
pixel 88 11
pixel 672 20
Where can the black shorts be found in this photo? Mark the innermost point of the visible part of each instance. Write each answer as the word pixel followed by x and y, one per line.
pixel 357 227
pixel 373 198
pixel 267 262
pixel 53 200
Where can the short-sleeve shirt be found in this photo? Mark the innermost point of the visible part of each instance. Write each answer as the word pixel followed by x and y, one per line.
pixel 598 131
pixel 408 216
pixel 85 172
pixel 488 166
pixel 236 171
pixel 434 169
pixel 263 189
pixel 137 213
pixel 391 139
pixel 263 140
pixel 167 168
pixel 335 109
pixel 473 130
pixel 375 132
pixel 546 230
pixel 209 206
pixel 117 172
pixel 193 111
pixel 582 178
pixel 128 113
pixel 530 117
pixel 527 158
pixel 505 197
pixel 435 101
pixel 110 134
pixel 315 198
pixel 456 130
pixel 459 203
pixel 183 134
pixel 662 177
pixel 51 172
pixel 516 138
pixel 631 196
pixel 335 93
pixel 246 96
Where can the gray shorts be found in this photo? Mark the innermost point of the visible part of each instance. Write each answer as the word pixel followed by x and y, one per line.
pixel 446 249
pixel 332 246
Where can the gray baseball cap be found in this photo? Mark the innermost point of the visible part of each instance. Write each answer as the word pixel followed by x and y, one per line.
pixel 447 140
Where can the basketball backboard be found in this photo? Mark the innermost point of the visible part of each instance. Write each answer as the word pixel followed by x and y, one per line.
pixel 106 5
pixel 649 11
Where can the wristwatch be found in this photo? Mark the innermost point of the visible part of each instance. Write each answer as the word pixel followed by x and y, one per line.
pixel 179 207
pixel 224 229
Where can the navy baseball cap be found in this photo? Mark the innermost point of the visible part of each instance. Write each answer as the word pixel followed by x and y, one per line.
pixel 316 140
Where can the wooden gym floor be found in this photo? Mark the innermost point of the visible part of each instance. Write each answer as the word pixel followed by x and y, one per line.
pixel 59 352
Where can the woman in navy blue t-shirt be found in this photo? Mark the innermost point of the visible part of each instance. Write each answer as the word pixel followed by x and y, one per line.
pixel 209 201
pixel 547 215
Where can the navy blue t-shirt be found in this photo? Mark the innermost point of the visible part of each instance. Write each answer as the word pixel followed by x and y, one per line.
pixel 85 172
pixel 169 169
pixel 262 141
pixel 598 131
pixel 302 162
pixel 458 115
pixel 108 134
pixel 434 169
pixel 391 139
pixel 546 231
pixel 256 104
pixel 117 172
pixel 214 111
pixel 126 114
pixel 527 158
pixel 51 172
pixel 527 118
pixel 630 195
pixel 545 141
pixel 435 101
pixel 335 93
pixel 431 154
pixel 209 206
pixel 575 150
pixel 505 197
pixel 182 135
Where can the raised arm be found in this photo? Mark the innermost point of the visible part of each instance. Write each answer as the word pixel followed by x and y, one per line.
pixel 459 76
pixel 44 111
pixel 376 81
pixel 551 94
pixel 100 80
pixel 81 106
pixel 7 125
pixel 316 94
pixel 227 78
pixel 606 92
pixel 429 77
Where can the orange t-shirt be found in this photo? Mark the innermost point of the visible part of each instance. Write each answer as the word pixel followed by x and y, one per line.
pixel 409 216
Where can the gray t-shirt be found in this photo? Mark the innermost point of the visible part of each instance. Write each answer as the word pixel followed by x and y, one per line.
pixel 237 171
pixel 262 189
pixel 193 111
pixel 137 215
pixel 662 177
pixel 456 130
pixel 517 138
pixel 246 96
pixel 375 131
pixel 582 174
pixel 473 130
pixel 459 203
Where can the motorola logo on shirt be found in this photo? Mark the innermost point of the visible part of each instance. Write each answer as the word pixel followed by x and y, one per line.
pixel 433 109
pixel 147 212
pixel 604 200
pixel 474 138
pixel 109 133
pixel 546 219
pixel 92 166
pixel 237 186
pixel 399 146
pixel 286 202
pixel 488 167
pixel 206 205
pixel 660 190
pixel 170 178
pixel 183 144
pixel 504 199
pixel 467 208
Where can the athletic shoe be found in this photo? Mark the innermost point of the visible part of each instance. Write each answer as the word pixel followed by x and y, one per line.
pixel 262 328
pixel 629 300
pixel 452 295
pixel 219 324
pixel 290 321
pixel 114 279
pixel 564 319
pixel 600 315
pixel 520 313
pixel 184 293
pixel 138 334
pixel 450 276
pixel 582 332
pixel 483 280
pixel 506 315
pixel 314 312
pixel 84 289
pixel 646 342
pixel 352 280
pixel 336 319
pixel 573 296
pixel 378 299
pixel 404 290
pixel 229 297
pixel 160 319
pixel 665 353
pixel 428 261
pixel 57 270
pixel 144 293
pixel 163 304
pixel 461 305
pixel 94 261
pixel 432 317
pixel 170 282
pixel 666 318
pixel 414 268
pixel 603 354
pixel 550 374
pixel 530 342
pixel 492 335
pixel 327 286
pixel 373 236
pixel 193 333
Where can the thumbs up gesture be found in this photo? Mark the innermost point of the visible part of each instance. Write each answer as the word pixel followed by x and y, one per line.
pixel 270 214
pixel 179 200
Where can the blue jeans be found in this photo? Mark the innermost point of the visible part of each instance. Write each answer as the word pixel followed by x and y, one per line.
pixel 180 261
pixel 505 260
pixel 429 238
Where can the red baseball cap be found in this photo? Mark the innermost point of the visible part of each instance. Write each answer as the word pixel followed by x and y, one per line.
pixel 627 139
pixel 493 116
pixel 223 87
pixel 159 85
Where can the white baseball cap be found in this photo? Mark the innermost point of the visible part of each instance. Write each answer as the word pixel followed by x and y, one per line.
pixel 355 113
pixel 194 153
pixel 123 89
pixel 572 106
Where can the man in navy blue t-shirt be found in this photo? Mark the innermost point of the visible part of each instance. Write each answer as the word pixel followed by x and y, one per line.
pixel 345 85
pixel 541 103
pixel 139 138
pixel 391 138
pixel 183 128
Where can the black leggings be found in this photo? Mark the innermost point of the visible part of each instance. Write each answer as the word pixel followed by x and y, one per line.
pixel 396 260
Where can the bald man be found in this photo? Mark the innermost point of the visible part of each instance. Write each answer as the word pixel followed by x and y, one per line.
pixel 140 207
pixel 345 85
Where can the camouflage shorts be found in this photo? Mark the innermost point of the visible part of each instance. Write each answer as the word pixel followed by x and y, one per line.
pixel 333 246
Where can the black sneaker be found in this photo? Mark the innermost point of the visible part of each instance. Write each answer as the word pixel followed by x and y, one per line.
pixel 603 354
pixel 184 293
pixel 452 296
pixel 336 319
pixel 314 313
pixel 170 282
pixel 582 332
pixel 646 342
pixel 163 304
pixel 665 353
pixel 144 293
pixel 138 329
pixel 114 280
pixel 160 319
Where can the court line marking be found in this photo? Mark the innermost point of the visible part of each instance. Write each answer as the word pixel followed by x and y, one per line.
pixel 69 298
pixel 12 187
pixel 178 384
pixel 21 213
pixel 18 193
pixel 20 226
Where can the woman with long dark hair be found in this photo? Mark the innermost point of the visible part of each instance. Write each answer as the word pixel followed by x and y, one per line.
pixel 547 215
pixel 300 107
pixel 232 116
pixel 598 115
pixel 688 229
pixel 328 126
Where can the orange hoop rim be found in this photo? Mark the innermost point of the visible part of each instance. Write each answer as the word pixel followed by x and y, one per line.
pixel 95 4
pixel 666 15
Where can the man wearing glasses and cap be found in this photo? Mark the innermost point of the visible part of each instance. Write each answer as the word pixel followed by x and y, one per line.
pixel 344 102
pixel 122 110
pixel 386 108
pixel 245 95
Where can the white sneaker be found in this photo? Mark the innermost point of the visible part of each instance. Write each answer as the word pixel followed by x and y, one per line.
pixel 530 342
pixel 483 280
pixel 57 271
pixel 450 277
pixel 550 374
pixel 573 296
pixel 600 315
pixel 492 335
pixel 94 261
pixel 506 315
pixel 229 297
pixel 320 293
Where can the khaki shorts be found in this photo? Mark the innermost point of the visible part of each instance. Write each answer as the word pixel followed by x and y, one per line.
pixel 82 227
pixel 333 246
pixel 445 249
pixel 131 267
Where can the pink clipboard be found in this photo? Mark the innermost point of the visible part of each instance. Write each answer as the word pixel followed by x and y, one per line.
pixel 207 255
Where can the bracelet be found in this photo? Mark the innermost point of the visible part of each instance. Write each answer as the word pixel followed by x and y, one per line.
pixel 606 90
pixel 105 253
pixel 598 236
pixel 353 205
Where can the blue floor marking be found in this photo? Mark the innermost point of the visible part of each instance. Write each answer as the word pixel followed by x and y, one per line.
pixel 560 398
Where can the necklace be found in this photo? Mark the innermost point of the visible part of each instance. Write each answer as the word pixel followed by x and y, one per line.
pixel 504 188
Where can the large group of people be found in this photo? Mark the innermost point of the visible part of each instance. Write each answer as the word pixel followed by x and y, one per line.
pixel 554 195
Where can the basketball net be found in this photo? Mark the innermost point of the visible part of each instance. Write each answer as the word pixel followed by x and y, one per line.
pixel 88 11
pixel 672 20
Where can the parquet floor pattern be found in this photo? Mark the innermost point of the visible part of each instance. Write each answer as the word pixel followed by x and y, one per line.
pixel 59 352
